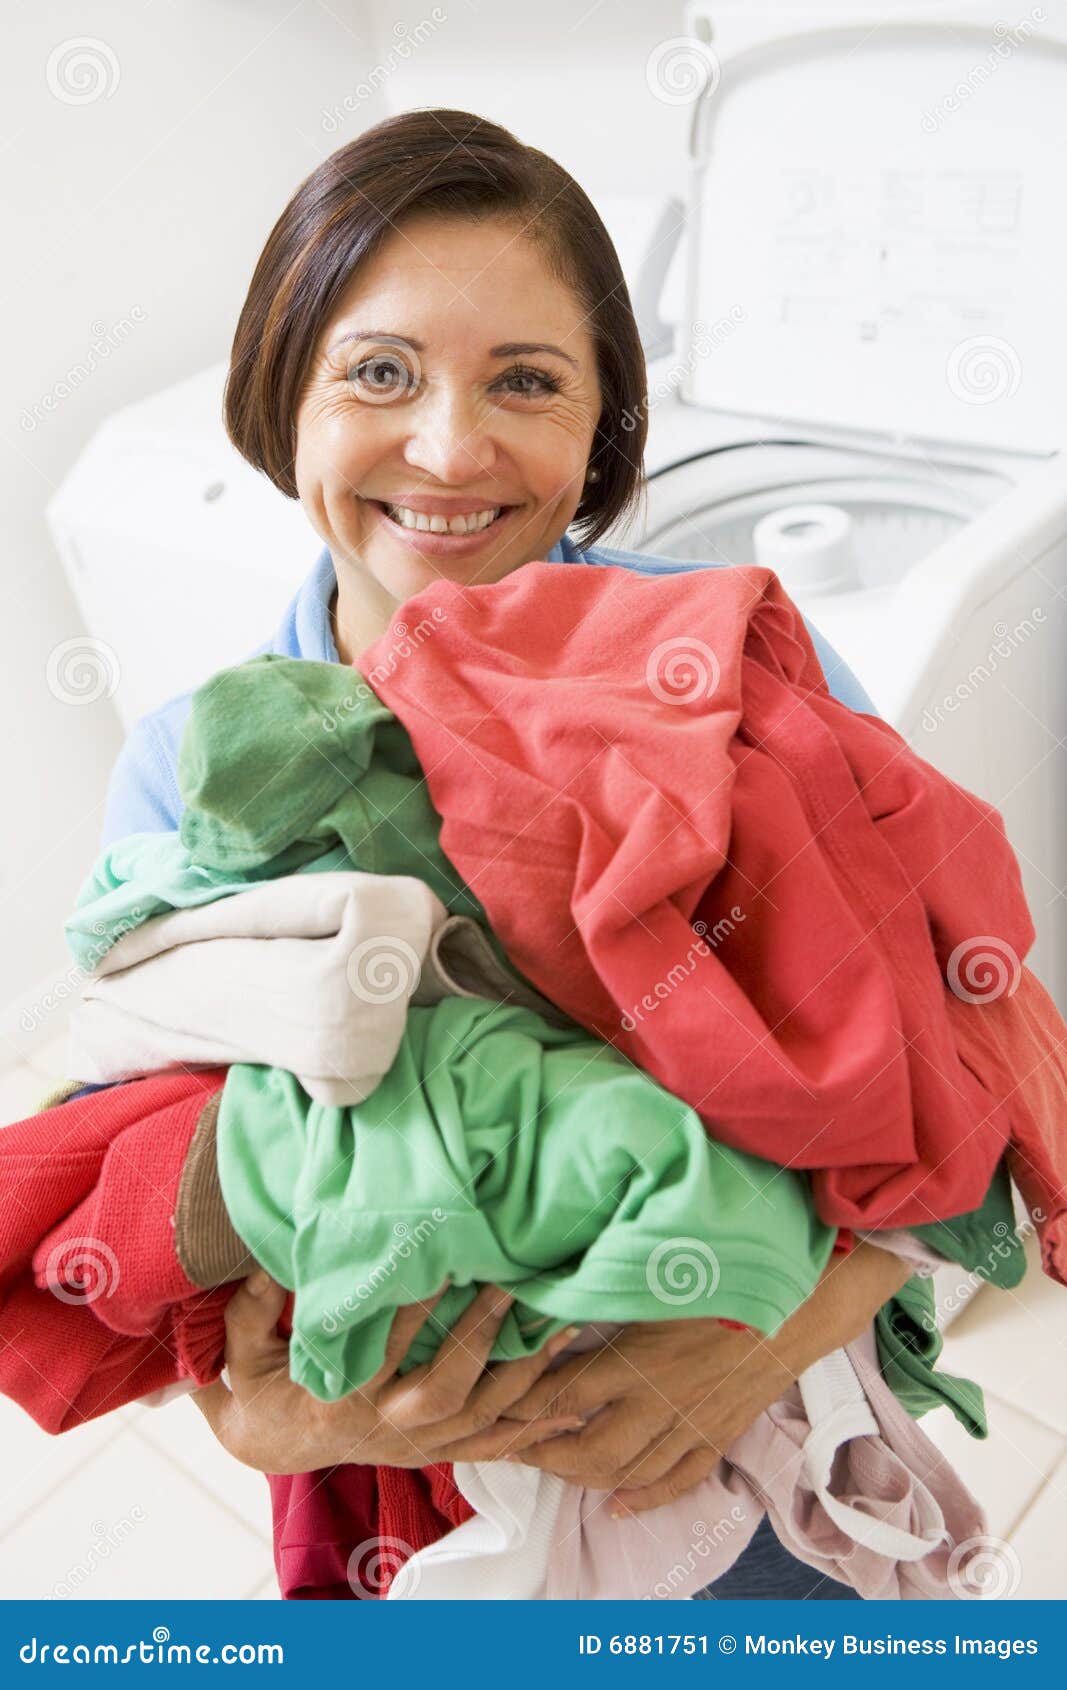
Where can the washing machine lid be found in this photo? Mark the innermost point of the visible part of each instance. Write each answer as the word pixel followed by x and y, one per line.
pixel 876 221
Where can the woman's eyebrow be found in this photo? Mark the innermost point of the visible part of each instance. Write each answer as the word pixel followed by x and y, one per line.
pixel 510 348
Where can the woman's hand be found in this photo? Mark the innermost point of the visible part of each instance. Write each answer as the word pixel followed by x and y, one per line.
pixel 448 1410
pixel 670 1397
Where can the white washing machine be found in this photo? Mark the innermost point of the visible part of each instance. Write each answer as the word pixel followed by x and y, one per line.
pixel 867 389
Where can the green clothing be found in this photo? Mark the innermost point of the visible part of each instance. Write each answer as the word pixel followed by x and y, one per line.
pixel 499 1149
pixel 985 1241
pixel 150 874
pixel 285 766
pixel 909 1344
pixel 986 1246
pixel 282 759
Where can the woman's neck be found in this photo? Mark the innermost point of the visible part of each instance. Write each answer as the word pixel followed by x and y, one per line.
pixel 360 612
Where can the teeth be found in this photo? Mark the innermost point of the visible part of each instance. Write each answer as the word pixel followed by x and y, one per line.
pixel 468 524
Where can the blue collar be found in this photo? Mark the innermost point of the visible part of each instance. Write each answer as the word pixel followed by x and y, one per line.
pixel 305 629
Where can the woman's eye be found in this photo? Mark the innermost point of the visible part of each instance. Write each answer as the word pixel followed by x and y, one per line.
pixel 384 376
pixel 544 382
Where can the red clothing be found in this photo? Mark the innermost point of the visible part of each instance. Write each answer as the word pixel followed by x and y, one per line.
pixel 611 807
pixel 95 1312
pixel 344 1532
pixel 94 1308
pixel 1017 1044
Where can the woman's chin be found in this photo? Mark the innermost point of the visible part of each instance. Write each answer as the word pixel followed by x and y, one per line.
pixel 408 575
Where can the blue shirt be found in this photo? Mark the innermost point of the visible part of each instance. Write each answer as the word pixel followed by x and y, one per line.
pixel 143 795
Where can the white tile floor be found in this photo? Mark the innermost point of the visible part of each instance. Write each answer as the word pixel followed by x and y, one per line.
pixel 145 1503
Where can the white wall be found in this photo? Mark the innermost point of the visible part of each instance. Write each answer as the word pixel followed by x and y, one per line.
pixel 133 223
pixel 134 218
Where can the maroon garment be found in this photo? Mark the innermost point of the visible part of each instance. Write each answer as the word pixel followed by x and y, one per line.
pixel 344 1532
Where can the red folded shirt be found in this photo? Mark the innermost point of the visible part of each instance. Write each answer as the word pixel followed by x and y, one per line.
pixel 94 1309
pixel 686 842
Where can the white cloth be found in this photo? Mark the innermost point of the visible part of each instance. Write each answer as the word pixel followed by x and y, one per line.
pixel 501 1555
pixel 309 972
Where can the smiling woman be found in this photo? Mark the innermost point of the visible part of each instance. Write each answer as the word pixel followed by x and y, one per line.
pixel 482 415
pixel 438 357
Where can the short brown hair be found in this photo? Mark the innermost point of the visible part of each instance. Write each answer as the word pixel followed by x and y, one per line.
pixel 449 163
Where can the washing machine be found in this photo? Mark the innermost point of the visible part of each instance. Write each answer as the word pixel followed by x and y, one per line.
pixel 866 386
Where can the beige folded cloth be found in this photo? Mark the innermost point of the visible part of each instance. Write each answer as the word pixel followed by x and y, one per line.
pixel 310 972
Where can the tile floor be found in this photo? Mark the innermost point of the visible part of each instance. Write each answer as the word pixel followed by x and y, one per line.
pixel 145 1503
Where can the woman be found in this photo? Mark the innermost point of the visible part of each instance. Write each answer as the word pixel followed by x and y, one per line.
pixel 438 357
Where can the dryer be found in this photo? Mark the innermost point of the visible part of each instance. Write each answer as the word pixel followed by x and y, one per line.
pixel 866 391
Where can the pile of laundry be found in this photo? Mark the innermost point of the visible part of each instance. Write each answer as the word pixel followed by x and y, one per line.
pixel 592 950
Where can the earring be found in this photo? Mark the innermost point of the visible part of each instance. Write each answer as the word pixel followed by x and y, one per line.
pixel 594 475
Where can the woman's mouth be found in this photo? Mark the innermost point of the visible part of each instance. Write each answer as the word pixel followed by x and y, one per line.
pixel 440 535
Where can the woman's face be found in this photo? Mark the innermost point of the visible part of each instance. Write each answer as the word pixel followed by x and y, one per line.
pixel 456 376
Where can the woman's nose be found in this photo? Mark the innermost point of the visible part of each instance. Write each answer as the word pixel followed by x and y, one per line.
pixel 452 440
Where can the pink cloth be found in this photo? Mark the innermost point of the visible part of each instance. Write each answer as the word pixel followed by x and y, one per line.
pixel 897 1477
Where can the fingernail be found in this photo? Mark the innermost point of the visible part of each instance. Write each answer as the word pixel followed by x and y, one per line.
pixel 258 1282
pixel 620 1510
pixel 562 1339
